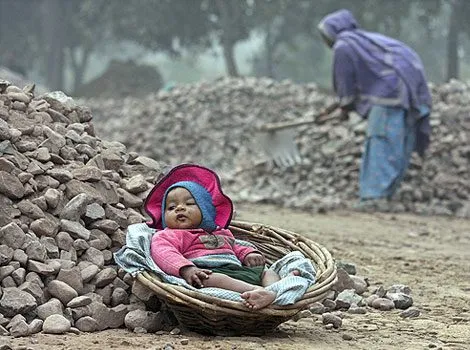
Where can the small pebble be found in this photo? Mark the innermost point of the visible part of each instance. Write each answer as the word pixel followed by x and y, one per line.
pixel 140 330
pixel 175 331
pixel 329 318
pixel 74 330
pixel 329 304
pixel 356 310
pixel 184 341
pixel 383 304
pixel 410 312
pixel 317 308
pixel 347 336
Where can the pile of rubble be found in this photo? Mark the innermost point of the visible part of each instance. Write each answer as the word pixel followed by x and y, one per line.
pixel 66 198
pixel 214 124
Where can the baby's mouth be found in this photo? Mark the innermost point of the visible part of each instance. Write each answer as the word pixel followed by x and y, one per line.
pixel 180 217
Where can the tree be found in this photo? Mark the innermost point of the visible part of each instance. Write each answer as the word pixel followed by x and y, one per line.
pixel 230 25
pixel 53 34
pixel 458 24
pixel 17 37
pixel 88 32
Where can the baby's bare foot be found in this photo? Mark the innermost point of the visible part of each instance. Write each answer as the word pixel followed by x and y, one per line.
pixel 258 298
pixel 295 273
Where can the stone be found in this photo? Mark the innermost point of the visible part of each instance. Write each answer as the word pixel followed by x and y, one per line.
pixel 410 313
pixel 360 284
pixel 75 208
pixel 101 314
pixel 346 298
pixel 44 227
pixel 35 326
pixel 88 173
pixel 119 296
pixel 317 308
pixel 52 197
pixel 64 241
pixel 10 186
pixel 34 289
pixel 35 250
pixel 86 324
pixel 344 281
pixel 329 318
pixel 401 300
pixel 56 324
pixel 19 275
pixel 19 329
pixel 89 272
pixel 399 288
pixel 12 235
pixel 30 209
pixel 81 311
pixel 383 304
pixel 150 321
pixel 105 277
pixel 20 256
pixel 117 316
pixel 71 277
pixel 94 256
pixel 15 301
pixel 6 254
pixel 74 229
pixel 79 301
pixel 62 291
pixel 40 268
pixel 51 307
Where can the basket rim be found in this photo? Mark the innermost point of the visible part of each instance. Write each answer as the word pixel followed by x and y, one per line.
pixel 320 256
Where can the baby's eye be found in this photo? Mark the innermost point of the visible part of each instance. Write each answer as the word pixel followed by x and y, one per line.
pixel 171 207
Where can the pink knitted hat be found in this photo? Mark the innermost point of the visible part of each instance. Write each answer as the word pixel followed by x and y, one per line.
pixel 189 172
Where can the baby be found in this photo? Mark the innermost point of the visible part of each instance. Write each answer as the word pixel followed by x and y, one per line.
pixel 193 237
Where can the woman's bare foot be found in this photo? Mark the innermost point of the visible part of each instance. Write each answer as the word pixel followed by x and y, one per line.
pixel 258 298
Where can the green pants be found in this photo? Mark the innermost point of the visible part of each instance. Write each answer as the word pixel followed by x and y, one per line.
pixel 251 275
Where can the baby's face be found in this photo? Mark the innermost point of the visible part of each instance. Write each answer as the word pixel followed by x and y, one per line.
pixel 181 210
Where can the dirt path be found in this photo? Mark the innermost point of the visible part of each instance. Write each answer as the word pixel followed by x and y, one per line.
pixel 431 255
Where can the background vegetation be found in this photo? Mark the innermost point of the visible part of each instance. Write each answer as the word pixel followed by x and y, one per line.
pixel 66 43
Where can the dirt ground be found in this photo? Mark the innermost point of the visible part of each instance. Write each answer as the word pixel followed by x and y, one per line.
pixel 429 254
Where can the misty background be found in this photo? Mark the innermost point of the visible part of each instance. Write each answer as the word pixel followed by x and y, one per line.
pixel 118 47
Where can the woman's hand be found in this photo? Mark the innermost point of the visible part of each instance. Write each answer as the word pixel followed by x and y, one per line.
pixel 194 275
pixel 254 259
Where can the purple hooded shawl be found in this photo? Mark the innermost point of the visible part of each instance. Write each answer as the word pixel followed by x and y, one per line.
pixel 373 69
pixel 370 68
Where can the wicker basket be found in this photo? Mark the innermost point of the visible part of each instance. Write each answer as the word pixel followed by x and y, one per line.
pixel 210 315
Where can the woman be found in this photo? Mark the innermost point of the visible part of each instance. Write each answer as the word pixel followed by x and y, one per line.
pixel 383 80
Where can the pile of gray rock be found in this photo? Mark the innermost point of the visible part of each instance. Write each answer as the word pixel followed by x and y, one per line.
pixel 215 123
pixel 66 198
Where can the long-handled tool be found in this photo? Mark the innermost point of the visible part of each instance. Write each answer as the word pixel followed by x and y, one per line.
pixel 277 139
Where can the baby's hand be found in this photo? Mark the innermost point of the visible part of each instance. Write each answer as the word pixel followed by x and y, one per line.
pixel 254 259
pixel 194 275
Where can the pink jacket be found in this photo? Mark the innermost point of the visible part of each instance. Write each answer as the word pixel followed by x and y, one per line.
pixel 171 248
